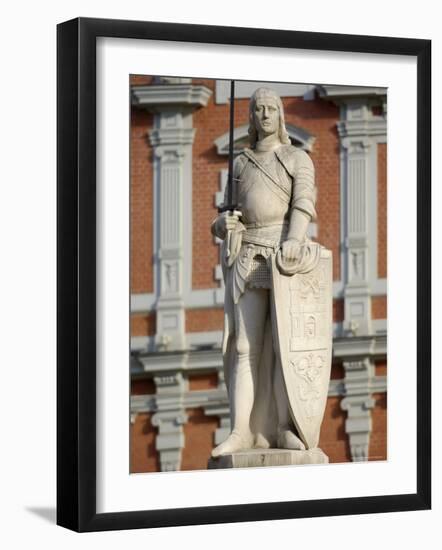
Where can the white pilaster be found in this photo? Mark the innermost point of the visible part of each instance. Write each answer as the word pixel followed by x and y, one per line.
pixel 359 131
pixel 355 145
pixel 172 140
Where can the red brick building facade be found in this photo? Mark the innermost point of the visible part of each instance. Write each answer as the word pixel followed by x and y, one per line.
pixel 179 145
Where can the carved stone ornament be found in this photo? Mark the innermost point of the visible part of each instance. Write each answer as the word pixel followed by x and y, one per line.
pixel 304 328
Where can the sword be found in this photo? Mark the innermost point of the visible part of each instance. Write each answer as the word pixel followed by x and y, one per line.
pixel 231 206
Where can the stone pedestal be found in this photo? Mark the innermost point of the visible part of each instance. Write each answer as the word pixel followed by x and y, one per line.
pixel 253 458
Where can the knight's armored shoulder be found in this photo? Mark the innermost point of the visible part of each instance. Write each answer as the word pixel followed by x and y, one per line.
pixel 300 166
pixel 303 161
pixel 239 164
pixel 294 159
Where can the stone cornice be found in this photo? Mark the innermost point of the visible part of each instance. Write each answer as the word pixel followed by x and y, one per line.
pixel 377 126
pixel 161 97
pixel 214 399
pixel 204 360
pixel 337 93
pixel 347 348
pixel 363 346
pixel 171 136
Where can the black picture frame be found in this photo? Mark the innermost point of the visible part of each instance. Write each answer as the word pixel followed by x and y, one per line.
pixel 77 287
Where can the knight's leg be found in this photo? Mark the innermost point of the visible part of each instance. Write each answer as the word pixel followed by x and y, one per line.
pixel 250 317
pixel 287 439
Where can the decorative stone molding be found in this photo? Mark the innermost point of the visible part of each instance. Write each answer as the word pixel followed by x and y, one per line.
pixel 357 347
pixel 212 340
pixel 358 403
pixel 171 80
pixel 158 98
pixel 373 126
pixel 358 355
pixel 169 419
pixel 142 404
pixel 170 403
pixel 215 402
pixel 145 302
pixel 167 141
pixel 338 93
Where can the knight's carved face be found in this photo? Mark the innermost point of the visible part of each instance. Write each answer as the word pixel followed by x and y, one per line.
pixel 266 116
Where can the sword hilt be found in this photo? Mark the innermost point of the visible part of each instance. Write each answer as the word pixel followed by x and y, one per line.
pixel 230 205
pixel 228 208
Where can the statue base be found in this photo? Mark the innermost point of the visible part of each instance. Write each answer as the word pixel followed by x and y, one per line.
pixel 252 458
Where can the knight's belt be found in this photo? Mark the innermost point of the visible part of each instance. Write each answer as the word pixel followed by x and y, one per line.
pixel 271 235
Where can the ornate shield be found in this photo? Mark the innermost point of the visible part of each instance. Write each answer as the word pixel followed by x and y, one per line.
pixel 302 307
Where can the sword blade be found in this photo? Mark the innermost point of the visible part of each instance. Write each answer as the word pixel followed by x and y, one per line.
pixel 231 128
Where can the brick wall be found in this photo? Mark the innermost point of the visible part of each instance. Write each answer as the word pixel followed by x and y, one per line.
pixel 333 440
pixel 199 433
pixel 141 202
pixel 378 438
pixel 381 367
pixel 211 122
pixel 201 320
pixel 143 325
pixel 143 454
pixel 141 80
pixel 379 307
pixel 206 381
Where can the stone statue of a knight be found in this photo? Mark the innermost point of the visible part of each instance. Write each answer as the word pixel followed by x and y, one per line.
pixel 278 301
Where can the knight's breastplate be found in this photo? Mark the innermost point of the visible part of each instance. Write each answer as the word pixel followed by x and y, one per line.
pixel 264 196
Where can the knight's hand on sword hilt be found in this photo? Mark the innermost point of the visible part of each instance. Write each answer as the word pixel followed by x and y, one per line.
pixel 228 219
pixel 226 223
